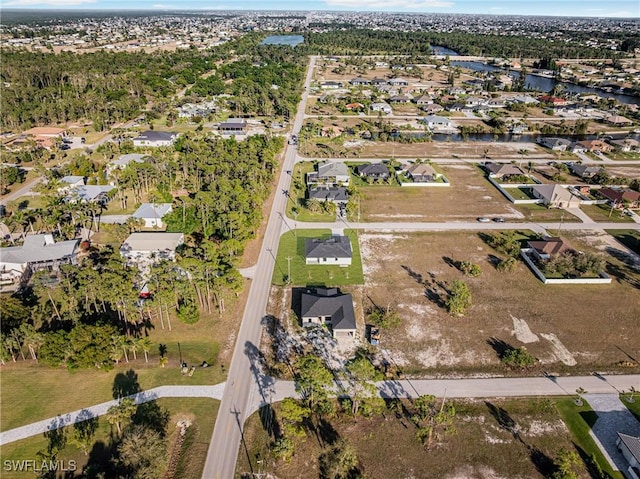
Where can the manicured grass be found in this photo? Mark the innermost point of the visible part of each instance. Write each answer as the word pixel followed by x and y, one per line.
pixel 37 392
pixel 579 420
pixel 520 193
pixel 297 193
pixel 634 406
pixel 629 238
pixel 535 212
pixel 200 411
pixel 606 214
pixel 292 245
pixel 31 202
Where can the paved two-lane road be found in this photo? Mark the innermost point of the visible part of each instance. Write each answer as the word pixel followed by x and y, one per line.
pixel 243 383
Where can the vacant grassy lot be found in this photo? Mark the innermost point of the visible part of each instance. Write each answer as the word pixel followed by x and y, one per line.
pixel 484 445
pixel 292 246
pixel 540 214
pixel 605 213
pixel 567 327
pixel 200 411
pixel 468 197
pixel 629 238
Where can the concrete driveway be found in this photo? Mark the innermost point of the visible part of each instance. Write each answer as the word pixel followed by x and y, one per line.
pixel 613 417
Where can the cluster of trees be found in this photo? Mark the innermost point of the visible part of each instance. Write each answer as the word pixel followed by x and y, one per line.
pixel 9 175
pixel 364 41
pixel 313 413
pixel 459 298
pixel 83 317
pixel 574 264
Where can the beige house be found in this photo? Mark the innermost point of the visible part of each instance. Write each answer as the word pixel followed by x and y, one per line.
pixel 556 196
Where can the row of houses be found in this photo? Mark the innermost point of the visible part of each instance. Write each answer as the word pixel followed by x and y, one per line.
pixel 602 146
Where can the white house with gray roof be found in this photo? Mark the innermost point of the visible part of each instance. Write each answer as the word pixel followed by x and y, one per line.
pixel 327 306
pixel 123 160
pixel 145 249
pixel 152 213
pixel 331 251
pixel 629 446
pixel 155 139
pixel 329 173
pixel 38 252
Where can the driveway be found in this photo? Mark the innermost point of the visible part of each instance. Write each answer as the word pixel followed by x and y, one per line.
pixel 613 417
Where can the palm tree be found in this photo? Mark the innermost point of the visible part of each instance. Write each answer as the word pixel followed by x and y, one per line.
pixel 145 344
pixel 163 360
pixel 133 346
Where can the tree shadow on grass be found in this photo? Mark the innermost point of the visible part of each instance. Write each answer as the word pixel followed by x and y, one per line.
pixel 125 384
pixel 499 346
pixel 269 421
pixel 152 416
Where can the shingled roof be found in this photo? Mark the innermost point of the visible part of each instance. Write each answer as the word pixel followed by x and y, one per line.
pixel 334 247
pixel 329 302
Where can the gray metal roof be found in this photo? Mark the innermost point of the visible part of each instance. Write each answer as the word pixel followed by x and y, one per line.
pixel 152 242
pixel 124 160
pixel 38 248
pixel 329 303
pixel 332 168
pixel 632 443
pixel 152 135
pixel 334 193
pixel 152 210
pixel 334 247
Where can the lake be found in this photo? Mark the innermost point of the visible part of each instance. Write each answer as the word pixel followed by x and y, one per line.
pixel 291 40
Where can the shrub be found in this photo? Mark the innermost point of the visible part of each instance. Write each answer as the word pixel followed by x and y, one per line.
pixel 518 357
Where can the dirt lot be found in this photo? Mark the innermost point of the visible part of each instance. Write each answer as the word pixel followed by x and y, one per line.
pixel 567 327
pixel 497 453
pixel 469 196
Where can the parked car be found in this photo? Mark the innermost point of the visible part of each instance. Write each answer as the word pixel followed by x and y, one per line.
pixel 499 219
pixel 482 219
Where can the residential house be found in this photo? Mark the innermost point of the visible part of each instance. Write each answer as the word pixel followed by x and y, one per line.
pixel 327 306
pixel 422 173
pixel 378 81
pixel 233 126
pixel 546 248
pixel 474 101
pixel 331 131
pixel 152 213
pixel 331 85
pixel 400 99
pixel 596 145
pixel 46 132
pixel 382 107
pixel 503 170
pixel 555 144
pixel 577 147
pixel 584 171
pixel 155 139
pixel 398 82
pixel 619 197
pixel 626 145
pixel 359 81
pixel 629 446
pixel 556 196
pixel 329 173
pixel 435 122
pixel 331 251
pixel 618 120
pixel 72 181
pixel 553 100
pixel 432 109
pixel 525 99
pixel 376 171
pixel 38 252
pixel 335 194
pixel 123 160
pixel 423 100
pixel 145 249
pixel 354 106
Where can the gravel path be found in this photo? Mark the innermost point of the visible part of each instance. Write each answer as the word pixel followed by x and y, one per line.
pixel 613 417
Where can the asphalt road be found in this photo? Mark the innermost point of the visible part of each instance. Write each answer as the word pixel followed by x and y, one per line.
pixel 244 379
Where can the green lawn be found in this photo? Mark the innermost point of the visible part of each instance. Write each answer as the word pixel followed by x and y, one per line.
pixel 634 406
pixel 579 420
pixel 314 275
pixel 629 238
pixel 535 212
pixel 37 392
pixel 201 411
pixel 606 214
pixel 520 193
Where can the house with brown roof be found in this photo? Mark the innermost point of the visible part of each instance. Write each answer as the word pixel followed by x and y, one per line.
pixel 618 120
pixel 618 197
pixel 502 170
pixel 422 173
pixel 556 196
pixel 596 145
pixel 546 248
pixel 626 144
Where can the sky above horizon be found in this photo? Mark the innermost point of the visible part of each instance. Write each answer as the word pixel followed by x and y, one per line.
pixel 577 8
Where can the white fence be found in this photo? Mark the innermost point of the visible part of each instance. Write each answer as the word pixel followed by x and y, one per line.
pixel 524 252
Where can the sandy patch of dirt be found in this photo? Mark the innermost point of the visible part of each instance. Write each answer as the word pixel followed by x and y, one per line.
pixel 560 352
pixel 522 332
pixel 540 428
pixel 375 246
pixel 477 472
